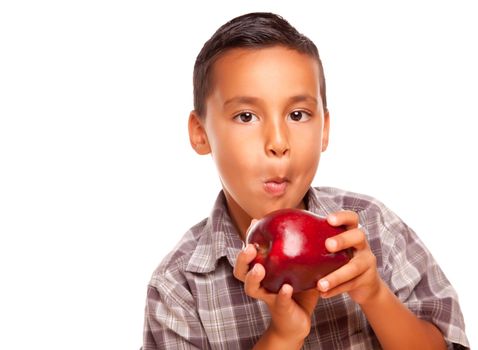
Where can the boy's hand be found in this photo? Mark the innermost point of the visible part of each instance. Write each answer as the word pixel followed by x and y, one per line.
pixel 291 314
pixel 359 277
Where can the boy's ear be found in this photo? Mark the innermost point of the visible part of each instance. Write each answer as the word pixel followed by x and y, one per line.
pixel 325 131
pixel 197 134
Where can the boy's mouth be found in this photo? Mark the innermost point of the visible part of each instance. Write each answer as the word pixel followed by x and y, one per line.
pixel 276 186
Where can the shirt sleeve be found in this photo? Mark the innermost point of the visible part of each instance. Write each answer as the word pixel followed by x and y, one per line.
pixel 171 320
pixel 415 277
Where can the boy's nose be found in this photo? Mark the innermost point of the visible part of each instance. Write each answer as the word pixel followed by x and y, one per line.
pixel 277 144
pixel 278 150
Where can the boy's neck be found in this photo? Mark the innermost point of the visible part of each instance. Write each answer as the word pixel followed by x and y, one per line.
pixel 239 217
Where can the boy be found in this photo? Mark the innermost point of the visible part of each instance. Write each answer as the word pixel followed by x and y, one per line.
pixel 260 110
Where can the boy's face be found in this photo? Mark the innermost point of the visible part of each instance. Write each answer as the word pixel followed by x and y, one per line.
pixel 265 128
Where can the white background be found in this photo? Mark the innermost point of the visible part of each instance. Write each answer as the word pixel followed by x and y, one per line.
pixel 98 181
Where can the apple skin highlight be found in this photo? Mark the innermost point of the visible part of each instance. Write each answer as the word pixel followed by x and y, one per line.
pixel 290 245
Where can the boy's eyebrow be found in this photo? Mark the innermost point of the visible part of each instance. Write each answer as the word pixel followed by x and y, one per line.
pixel 254 100
pixel 242 100
pixel 303 98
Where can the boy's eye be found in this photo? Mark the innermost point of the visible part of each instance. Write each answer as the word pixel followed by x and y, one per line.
pixel 246 117
pixel 298 116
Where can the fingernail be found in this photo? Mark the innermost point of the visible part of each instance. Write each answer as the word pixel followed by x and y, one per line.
pixel 332 219
pixel 332 243
pixel 324 285
pixel 255 269
pixel 285 289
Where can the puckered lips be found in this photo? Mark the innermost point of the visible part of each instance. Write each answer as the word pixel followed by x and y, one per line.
pixel 276 186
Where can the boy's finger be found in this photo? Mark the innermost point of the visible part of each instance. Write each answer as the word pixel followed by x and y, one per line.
pixel 347 218
pixel 243 260
pixel 346 273
pixel 354 238
pixel 252 284
pixel 343 288
pixel 284 297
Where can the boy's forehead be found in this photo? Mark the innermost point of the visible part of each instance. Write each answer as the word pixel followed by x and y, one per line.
pixel 272 54
pixel 272 71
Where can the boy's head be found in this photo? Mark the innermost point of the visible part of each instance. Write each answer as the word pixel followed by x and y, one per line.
pixel 260 111
pixel 253 31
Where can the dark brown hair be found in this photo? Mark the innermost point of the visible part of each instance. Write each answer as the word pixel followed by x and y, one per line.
pixel 254 30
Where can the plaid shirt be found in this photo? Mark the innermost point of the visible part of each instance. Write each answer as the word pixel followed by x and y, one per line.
pixel 194 301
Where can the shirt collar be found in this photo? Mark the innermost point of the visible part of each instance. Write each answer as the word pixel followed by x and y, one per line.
pixel 321 203
pixel 219 237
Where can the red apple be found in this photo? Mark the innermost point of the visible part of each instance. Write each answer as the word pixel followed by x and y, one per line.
pixel 290 245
